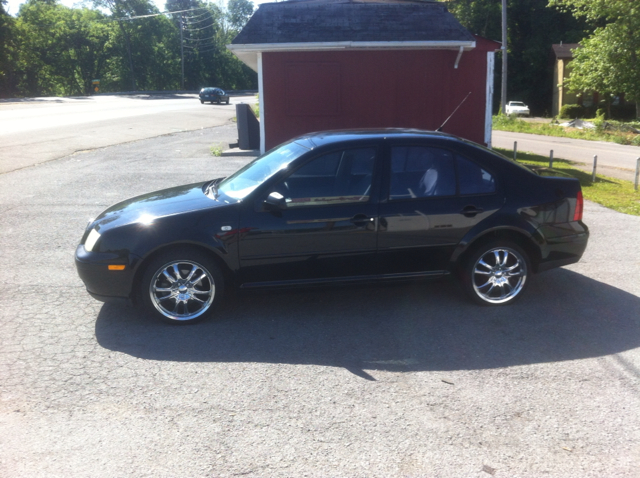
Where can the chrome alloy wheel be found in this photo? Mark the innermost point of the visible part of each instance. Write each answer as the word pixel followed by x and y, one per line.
pixel 499 275
pixel 182 290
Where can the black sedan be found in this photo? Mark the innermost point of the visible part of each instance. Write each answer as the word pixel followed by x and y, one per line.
pixel 338 207
pixel 213 95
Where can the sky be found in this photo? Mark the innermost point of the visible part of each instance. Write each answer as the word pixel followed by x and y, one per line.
pixel 13 6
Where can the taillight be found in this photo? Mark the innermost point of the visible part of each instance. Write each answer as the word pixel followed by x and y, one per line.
pixel 577 216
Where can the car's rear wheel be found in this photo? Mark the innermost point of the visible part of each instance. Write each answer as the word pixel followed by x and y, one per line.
pixel 181 286
pixel 201 102
pixel 496 273
pixel 227 100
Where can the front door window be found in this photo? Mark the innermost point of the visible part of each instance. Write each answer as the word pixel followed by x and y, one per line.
pixel 341 177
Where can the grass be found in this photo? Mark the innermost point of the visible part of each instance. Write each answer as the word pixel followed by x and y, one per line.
pixel 612 131
pixel 216 150
pixel 613 193
pixel 256 107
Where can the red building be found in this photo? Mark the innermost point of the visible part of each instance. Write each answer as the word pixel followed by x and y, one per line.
pixel 325 64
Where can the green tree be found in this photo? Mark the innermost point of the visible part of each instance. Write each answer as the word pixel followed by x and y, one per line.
pixel 238 13
pixel 61 49
pixel 8 53
pixel 609 61
pixel 206 30
pixel 531 30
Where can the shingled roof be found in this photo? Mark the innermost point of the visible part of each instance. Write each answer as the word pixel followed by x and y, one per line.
pixel 327 24
pixel 354 21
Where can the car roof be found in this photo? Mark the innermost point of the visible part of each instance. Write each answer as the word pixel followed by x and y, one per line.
pixel 323 138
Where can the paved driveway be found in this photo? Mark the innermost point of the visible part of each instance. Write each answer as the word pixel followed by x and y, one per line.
pixel 383 381
pixel 36 130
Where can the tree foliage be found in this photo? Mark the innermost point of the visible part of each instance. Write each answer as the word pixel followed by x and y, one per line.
pixel 609 60
pixel 50 49
pixel 239 12
pixel 8 53
pixel 61 49
pixel 531 30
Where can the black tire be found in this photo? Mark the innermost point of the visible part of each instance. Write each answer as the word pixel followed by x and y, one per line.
pixel 227 100
pixel 201 102
pixel 181 286
pixel 496 273
pixel 218 100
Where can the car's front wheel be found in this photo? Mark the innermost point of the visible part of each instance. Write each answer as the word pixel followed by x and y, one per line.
pixel 181 286
pixel 496 273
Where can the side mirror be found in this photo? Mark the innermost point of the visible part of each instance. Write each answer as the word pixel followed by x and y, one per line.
pixel 275 201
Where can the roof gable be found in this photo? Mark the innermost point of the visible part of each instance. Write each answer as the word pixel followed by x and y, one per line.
pixel 565 50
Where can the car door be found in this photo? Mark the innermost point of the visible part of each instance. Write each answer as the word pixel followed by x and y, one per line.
pixel 433 198
pixel 326 228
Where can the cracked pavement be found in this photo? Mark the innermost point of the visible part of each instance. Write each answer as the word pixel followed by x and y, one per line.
pixel 407 380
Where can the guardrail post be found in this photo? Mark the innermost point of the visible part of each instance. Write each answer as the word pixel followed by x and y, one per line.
pixel 637 173
pixel 551 159
pixel 515 150
pixel 595 165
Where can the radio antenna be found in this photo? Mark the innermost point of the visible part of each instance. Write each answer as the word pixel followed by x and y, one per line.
pixel 454 112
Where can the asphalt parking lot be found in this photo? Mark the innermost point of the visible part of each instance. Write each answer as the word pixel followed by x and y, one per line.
pixel 408 380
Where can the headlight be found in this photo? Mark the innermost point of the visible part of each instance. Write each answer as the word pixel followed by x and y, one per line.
pixel 92 238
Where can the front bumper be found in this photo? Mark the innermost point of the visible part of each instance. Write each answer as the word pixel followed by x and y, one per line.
pixel 104 284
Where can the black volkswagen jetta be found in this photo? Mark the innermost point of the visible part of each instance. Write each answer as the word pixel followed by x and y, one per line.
pixel 334 207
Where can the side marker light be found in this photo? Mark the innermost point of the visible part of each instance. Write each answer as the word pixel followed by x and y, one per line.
pixel 116 267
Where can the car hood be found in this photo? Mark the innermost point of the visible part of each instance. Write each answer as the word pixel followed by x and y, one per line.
pixel 149 207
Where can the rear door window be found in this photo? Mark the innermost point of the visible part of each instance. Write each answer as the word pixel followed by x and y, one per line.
pixel 421 171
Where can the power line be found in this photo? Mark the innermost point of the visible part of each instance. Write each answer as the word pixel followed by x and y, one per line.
pixel 200 39
pixel 198 29
pixel 157 14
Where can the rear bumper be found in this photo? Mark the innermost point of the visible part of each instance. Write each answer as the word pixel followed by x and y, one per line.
pixel 563 244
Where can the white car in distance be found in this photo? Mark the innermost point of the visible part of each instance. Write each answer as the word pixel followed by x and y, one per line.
pixel 517 108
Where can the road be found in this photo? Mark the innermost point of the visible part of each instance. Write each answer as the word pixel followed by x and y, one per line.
pixel 406 380
pixel 37 130
pixel 614 160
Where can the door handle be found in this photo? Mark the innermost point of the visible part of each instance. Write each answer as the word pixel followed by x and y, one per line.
pixel 470 211
pixel 361 220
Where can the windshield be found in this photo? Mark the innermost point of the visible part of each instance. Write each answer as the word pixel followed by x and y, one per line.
pixel 243 182
pixel 517 103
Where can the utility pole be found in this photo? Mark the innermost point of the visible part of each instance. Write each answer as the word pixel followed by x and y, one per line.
pixel 182 49
pixel 503 93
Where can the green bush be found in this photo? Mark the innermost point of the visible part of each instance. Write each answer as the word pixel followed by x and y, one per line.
pixel 599 121
pixel 572 111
